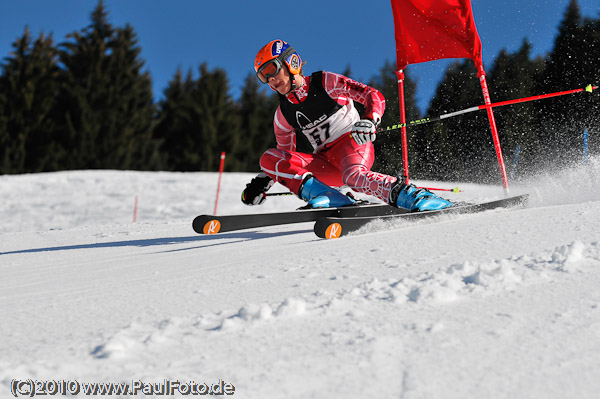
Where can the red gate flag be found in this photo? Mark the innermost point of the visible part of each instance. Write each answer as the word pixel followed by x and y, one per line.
pixel 428 30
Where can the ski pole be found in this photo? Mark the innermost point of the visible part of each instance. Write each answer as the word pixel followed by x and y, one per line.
pixel 454 190
pixel 278 194
pixel 589 88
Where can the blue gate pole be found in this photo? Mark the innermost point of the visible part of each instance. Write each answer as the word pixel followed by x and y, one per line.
pixel 585 146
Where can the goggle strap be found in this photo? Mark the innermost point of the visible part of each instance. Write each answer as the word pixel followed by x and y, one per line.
pixel 288 51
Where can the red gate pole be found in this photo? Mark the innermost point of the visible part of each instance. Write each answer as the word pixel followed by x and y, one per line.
pixel 490 112
pixel 400 75
pixel 135 209
pixel 219 184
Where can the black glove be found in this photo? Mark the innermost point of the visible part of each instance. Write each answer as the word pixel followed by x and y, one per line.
pixel 256 191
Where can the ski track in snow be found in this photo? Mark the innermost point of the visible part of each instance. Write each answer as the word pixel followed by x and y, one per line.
pixel 501 304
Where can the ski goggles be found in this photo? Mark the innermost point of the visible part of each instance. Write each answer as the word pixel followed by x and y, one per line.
pixel 272 67
pixel 269 70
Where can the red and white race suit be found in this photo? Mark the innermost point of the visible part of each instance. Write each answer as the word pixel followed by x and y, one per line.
pixel 323 110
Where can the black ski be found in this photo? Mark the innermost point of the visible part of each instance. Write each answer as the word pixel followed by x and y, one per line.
pixel 334 227
pixel 209 224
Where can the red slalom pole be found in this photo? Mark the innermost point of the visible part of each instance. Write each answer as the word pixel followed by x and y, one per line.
pixel 135 209
pixel 495 138
pixel 219 184
pixel 404 135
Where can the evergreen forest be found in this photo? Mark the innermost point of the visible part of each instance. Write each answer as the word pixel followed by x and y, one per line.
pixel 87 103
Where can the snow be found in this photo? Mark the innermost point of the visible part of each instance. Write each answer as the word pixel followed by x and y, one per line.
pixel 502 304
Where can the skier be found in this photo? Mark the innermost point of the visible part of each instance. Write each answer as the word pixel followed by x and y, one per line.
pixel 321 107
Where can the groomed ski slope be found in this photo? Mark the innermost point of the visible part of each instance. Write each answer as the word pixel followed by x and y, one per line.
pixel 503 304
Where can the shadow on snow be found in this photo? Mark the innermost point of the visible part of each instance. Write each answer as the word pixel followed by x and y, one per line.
pixel 239 236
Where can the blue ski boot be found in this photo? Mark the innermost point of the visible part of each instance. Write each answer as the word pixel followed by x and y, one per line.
pixel 415 199
pixel 320 195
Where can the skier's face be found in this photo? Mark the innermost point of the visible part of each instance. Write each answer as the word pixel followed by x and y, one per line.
pixel 282 82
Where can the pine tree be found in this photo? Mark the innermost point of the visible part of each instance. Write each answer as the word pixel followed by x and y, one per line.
pixel 589 69
pixel 28 88
pixel 561 118
pixel 197 121
pixel 457 148
pixel 5 140
pixel 256 109
pixel 514 76
pixel 107 99
pixel 219 122
pixel 173 129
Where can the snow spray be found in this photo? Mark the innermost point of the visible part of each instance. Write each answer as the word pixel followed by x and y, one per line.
pixel 585 147
pixel 515 162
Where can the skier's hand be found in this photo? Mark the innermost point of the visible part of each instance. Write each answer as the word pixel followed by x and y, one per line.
pixel 363 131
pixel 256 191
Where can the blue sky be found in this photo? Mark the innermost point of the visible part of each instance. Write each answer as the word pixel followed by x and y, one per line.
pixel 328 34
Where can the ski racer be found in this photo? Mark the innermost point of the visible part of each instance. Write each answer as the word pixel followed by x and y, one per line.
pixel 321 107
